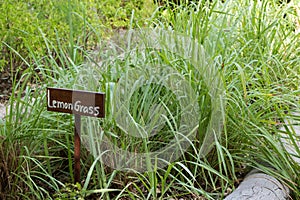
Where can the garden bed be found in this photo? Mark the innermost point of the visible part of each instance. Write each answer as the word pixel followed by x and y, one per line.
pixel 249 47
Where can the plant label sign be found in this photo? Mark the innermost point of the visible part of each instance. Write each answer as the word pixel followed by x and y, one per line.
pixel 76 102
pixel 79 103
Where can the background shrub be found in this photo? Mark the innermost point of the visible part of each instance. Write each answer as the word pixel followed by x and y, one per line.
pixel 25 25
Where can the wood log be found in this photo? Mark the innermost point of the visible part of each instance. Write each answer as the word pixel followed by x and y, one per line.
pixel 258 185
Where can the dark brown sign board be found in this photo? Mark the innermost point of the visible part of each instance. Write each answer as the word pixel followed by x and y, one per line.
pixel 77 102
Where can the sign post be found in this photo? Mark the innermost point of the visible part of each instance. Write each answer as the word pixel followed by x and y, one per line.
pixel 79 103
pixel 77 145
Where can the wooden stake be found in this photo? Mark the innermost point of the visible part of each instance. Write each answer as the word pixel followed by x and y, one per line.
pixel 77 144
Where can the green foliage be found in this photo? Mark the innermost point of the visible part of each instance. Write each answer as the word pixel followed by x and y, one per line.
pixel 70 191
pixel 117 13
pixel 24 24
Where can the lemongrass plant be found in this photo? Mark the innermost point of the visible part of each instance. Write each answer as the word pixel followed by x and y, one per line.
pixel 250 45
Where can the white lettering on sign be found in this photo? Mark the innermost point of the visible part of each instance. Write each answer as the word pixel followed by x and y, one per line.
pixel 92 110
